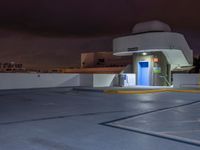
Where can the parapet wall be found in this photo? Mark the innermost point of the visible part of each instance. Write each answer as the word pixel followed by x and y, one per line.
pixel 35 80
pixel 186 80
pixel 49 80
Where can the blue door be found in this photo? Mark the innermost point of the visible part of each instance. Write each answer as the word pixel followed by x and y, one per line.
pixel 143 73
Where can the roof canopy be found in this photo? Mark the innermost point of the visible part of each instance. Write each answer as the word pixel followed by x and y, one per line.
pixel 173 45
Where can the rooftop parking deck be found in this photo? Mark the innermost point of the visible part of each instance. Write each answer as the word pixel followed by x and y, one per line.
pixel 66 119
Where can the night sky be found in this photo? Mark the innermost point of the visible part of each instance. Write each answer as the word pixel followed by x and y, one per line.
pixel 53 33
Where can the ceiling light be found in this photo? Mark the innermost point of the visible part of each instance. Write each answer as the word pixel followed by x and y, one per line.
pixel 144 54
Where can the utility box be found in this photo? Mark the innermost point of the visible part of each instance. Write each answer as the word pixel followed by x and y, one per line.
pixel 127 79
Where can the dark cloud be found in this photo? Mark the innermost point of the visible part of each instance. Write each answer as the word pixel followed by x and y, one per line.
pixel 42 52
pixel 95 17
pixel 55 32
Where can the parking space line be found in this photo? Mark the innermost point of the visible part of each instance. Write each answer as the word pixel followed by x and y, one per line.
pixel 151 133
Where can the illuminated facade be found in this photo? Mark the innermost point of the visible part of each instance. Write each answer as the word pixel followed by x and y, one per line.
pixel 155 51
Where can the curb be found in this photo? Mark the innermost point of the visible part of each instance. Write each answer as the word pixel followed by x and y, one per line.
pixel 150 91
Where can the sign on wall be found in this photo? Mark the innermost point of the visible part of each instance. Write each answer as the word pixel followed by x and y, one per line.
pixel 156 70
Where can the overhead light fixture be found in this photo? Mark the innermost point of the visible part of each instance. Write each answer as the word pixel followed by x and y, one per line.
pixel 144 54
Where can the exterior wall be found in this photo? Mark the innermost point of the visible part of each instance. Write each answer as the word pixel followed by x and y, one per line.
pixel 103 80
pixel 33 80
pixel 86 80
pixel 186 80
pixel 45 80
pixel 172 44
pixel 159 79
pixel 98 80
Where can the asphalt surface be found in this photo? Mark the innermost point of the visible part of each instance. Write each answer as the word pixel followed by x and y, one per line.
pixel 62 119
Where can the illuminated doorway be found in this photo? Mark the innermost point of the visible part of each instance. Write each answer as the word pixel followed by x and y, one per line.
pixel 143 77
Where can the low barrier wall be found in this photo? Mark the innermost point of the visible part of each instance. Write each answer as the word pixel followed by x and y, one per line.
pixel 48 80
pixel 35 80
pixel 98 80
pixel 186 80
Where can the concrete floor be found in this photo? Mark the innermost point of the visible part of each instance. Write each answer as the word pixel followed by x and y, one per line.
pixel 61 119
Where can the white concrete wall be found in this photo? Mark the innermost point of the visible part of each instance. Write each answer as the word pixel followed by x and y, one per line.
pixel 98 80
pixel 131 79
pixel 103 80
pixel 173 45
pixel 35 80
pixel 186 80
pixel 86 80
pixel 48 80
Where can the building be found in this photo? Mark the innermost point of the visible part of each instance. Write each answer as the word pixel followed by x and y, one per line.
pixel 156 51
pixel 103 59
pixel 11 67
